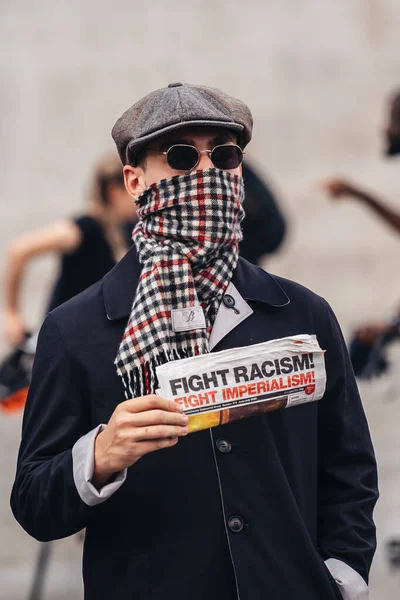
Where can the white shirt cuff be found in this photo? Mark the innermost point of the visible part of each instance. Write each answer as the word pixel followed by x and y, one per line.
pixel 351 585
pixel 83 467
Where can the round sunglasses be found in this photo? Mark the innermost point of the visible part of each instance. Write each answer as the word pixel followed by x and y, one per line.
pixel 182 157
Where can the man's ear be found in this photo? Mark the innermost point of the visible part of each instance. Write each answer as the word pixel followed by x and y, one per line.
pixel 134 181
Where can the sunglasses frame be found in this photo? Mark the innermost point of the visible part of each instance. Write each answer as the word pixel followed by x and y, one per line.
pixel 199 154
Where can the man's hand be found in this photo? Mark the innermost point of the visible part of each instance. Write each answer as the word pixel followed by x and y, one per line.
pixel 337 188
pixel 136 427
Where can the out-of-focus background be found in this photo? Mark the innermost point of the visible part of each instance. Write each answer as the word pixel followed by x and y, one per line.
pixel 317 76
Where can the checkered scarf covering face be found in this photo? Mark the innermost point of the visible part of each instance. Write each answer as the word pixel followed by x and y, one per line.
pixel 187 241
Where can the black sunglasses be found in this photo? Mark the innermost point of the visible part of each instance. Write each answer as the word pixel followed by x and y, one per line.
pixel 182 157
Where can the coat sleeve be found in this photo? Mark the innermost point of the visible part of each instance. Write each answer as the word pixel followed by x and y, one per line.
pixel 44 498
pixel 347 482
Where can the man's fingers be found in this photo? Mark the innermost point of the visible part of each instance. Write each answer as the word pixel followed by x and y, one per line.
pixel 147 447
pixel 157 417
pixel 145 403
pixel 158 432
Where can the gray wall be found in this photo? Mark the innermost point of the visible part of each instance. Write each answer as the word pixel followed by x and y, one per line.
pixel 315 73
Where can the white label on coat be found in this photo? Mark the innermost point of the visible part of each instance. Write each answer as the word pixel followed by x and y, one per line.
pixel 186 319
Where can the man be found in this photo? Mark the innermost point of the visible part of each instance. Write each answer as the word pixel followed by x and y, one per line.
pixel 248 510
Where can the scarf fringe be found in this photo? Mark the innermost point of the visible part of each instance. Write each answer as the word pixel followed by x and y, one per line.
pixel 141 381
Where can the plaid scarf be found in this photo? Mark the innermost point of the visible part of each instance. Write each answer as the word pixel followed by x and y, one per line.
pixel 187 241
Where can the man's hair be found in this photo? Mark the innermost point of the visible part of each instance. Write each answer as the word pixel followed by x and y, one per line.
pixel 139 160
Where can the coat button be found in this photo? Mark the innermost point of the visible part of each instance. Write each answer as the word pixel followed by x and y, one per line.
pixel 230 302
pixel 224 446
pixel 235 524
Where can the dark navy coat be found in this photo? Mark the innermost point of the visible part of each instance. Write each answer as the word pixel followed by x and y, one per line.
pixel 301 481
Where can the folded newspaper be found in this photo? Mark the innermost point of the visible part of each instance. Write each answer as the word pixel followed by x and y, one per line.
pixel 233 384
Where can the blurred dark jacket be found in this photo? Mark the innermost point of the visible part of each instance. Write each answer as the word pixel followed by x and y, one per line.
pixel 264 227
pixel 87 264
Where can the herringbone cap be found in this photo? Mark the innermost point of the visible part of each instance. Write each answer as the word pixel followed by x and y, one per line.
pixel 176 106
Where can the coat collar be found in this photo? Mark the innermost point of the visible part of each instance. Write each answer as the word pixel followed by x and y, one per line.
pixel 119 285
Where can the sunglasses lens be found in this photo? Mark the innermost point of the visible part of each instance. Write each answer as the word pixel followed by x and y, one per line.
pixel 182 158
pixel 227 157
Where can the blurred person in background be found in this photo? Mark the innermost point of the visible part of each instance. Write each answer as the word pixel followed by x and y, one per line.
pixel 264 226
pixel 370 333
pixel 89 246
pixel 367 348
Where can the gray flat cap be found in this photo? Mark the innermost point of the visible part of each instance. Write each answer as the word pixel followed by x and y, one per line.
pixel 176 106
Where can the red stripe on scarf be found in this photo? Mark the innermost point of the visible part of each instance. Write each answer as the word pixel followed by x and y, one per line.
pixel 146 322
pixel 202 212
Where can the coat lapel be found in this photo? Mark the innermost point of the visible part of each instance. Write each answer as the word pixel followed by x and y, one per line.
pixel 229 318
